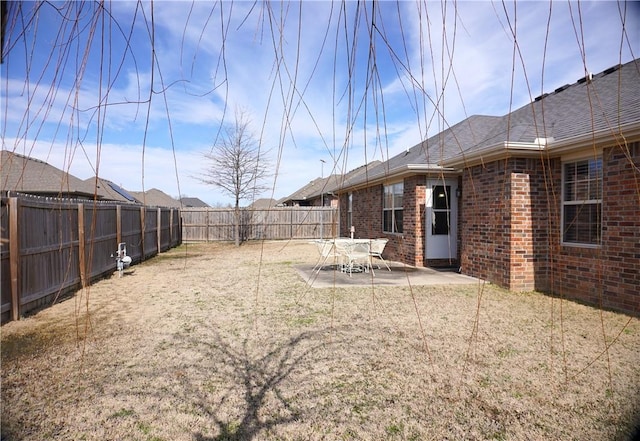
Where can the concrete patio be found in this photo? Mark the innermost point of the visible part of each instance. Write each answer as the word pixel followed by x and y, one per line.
pixel 400 275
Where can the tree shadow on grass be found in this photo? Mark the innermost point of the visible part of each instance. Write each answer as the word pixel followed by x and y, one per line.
pixel 259 378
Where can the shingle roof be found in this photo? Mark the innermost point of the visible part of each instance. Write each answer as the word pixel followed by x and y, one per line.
pixel 156 198
pixel 193 202
pixel 313 189
pixel 329 184
pixel 432 151
pixel 608 100
pixel 601 103
pixel 263 203
pixel 108 190
pixel 29 175
pixel 360 173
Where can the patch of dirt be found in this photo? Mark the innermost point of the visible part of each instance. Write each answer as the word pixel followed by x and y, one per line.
pixel 213 342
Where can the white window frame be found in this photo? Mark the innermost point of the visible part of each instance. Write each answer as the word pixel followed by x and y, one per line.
pixel 394 207
pixel 592 163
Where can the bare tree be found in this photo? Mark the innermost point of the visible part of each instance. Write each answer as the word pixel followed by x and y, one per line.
pixel 237 165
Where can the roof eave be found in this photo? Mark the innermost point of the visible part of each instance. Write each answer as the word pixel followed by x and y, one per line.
pixel 618 136
pixel 505 149
pixel 397 173
pixel 496 152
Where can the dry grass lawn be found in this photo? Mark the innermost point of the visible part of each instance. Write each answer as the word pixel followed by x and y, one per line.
pixel 210 342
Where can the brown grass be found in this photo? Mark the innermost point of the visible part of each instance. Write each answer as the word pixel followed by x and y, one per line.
pixel 211 342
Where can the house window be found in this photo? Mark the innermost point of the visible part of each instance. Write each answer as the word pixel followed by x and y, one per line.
pixel 392 208
pixel 582 202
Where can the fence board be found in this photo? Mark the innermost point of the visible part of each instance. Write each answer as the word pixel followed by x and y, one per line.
pixel 47 250
pixel 165 230
pixel 217 224
pixel 150 241
pixel 50 245
pixel 5 264
pixel 130 221
pixel 100 237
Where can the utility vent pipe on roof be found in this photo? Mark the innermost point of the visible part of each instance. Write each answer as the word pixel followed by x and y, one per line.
pixel 588 78
pixel 543 141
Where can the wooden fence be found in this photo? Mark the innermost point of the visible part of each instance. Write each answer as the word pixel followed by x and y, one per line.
pixel 51 247
pixel 213 224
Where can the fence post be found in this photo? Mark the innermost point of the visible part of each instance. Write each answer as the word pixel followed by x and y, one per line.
pixel 81 246
pixel 170 227
pixel 159 229
pixel 14 257
pixel 118 225
pixel 143 227
pixel 207 222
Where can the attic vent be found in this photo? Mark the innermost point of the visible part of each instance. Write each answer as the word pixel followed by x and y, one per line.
pixel 611 69
pixel 561 88
pixel 538 98
pixel 588 78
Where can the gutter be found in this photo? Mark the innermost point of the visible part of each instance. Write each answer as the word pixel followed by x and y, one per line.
pixel 551 147
pixel 397 173
pixel 498 151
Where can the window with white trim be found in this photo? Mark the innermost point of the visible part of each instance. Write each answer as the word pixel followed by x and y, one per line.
pixel 582 202
pixel 392 208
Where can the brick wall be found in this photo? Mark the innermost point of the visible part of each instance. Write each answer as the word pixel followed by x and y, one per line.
pixel 507 216
pixel 608 276
pixel 367 212
pixel 511 233
pixel 485 229
pixel 367 220
pixel 621 228
pixel 521 256
pixel 412 250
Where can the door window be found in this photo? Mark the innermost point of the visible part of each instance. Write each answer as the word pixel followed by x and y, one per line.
pixel 441 210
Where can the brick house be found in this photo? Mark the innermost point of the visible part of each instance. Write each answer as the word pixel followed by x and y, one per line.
pixel 546 197
pixel 315 194
pixel 319 192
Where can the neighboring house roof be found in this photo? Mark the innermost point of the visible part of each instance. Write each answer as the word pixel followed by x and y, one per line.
pixel 110 191
pixel 314 189
pixel 263 203
pixel 328 185
pixel 28 175
pixel 156 198
pixel 595 109
pixel 193 202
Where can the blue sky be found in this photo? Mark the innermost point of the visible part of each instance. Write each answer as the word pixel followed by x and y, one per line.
pixel 346 83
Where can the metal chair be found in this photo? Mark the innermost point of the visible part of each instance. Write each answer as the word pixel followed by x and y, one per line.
pixel 356 256
pixel 327 250
pixel 376 249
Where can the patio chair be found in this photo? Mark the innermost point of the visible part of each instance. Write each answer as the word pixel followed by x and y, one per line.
pixel 377 247
pixel 327 251
pixel 356 257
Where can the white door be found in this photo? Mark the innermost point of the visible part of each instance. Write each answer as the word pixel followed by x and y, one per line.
pixel 441 239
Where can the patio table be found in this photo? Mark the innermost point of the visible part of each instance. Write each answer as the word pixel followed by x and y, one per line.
pixel 352 255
